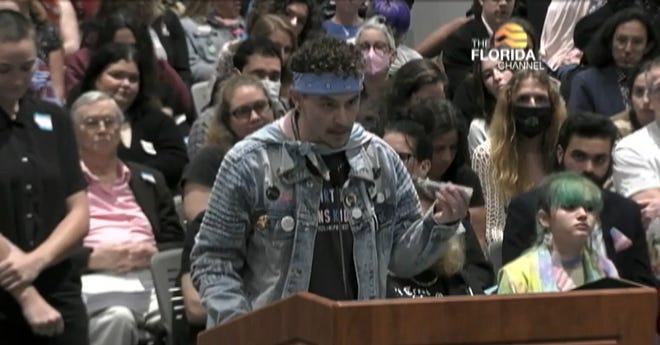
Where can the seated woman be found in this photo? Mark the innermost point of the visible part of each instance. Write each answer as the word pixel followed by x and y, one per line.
pixel 477 94
pixel 376 42
pixel 562 258
pixel 520 150
pixel 624 40
pixel 243 108
pixel 640 114
pixel 397 16
pixel 148 136
pixel 122 27
pixel 462 269
pixel 476 97
pixel 449 159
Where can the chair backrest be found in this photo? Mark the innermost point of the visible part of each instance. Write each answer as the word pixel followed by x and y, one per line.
pixel 201 95
pixel 165 268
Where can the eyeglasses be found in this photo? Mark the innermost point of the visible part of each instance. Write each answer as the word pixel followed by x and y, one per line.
pixel 405 157
pixel 380 47
pixel 245 111
pixel 94 123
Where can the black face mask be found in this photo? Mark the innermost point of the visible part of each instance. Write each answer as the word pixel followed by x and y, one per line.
pixel 531 121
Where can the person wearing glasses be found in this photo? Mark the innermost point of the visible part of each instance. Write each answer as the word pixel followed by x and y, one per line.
pixel 43 212
pixel 243 108
pixel 376 42
pixel 448 160
pixel 148 136
pixel 132 216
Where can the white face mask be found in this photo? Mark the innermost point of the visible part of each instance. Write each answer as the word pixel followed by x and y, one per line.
pixel 272 88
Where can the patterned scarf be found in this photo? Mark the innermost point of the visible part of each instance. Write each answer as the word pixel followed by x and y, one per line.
pixel 555 279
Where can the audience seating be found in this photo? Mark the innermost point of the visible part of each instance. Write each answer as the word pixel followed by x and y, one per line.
pixel 165 267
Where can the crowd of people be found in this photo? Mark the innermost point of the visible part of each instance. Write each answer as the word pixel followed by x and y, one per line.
pixel 300 145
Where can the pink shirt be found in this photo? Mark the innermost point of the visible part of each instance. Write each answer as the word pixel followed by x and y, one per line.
pixel 115 216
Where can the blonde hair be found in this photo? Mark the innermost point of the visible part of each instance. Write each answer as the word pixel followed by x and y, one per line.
pixel 507 169
pixel 453 258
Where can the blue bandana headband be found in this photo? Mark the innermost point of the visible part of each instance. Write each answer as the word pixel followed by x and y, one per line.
pixel 325 84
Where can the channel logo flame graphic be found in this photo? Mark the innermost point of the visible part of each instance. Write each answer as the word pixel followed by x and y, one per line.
pixel 510 35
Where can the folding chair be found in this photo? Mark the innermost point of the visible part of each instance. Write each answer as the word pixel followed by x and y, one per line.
pixel 165 267
pixel 201 95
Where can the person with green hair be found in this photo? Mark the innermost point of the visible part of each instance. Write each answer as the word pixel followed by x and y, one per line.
pixel 562 258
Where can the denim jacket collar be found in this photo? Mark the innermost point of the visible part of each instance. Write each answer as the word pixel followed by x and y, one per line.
pixel 292 168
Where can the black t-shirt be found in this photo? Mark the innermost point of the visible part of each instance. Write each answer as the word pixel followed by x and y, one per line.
pixel 40 169
pixel 465 176
pixel 333 269
pixel 204 166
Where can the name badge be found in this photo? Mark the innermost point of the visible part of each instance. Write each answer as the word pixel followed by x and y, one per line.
pixel 148 177
pixel 204 29
pixel 148 147
pixel 43 121
pixel 179 119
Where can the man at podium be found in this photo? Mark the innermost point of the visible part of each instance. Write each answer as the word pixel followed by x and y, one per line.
pixel 313 202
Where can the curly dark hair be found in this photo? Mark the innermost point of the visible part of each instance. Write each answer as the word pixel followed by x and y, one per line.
pixel 440 116
pixel 598 52
pixel 327 55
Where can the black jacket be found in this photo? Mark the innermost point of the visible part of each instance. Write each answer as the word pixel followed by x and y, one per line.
pixel 619 212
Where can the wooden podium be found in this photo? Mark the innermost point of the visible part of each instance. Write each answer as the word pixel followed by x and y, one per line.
pixel 589 317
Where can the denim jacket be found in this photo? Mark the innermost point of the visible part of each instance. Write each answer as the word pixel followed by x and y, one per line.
pixel 256 242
